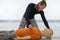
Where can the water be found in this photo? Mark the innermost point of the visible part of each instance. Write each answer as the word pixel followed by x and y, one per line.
pixel 14 25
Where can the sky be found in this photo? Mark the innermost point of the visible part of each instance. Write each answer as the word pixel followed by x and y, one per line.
pixel 15 9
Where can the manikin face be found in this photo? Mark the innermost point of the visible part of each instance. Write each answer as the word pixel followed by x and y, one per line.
pixel 41 7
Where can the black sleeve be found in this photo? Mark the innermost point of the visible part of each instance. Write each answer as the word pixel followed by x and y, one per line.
pixel 44 19
pixel 26 15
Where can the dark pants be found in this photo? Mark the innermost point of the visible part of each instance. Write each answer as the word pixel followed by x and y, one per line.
pixel 23 23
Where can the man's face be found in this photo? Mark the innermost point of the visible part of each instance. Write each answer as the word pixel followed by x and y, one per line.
pixel 41 7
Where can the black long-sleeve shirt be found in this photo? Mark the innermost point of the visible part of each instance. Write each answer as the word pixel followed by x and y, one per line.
pixel 30 13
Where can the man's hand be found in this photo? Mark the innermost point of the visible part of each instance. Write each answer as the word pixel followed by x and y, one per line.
pixel 30 26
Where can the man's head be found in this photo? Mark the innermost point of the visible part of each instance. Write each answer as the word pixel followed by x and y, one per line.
pixel 41 5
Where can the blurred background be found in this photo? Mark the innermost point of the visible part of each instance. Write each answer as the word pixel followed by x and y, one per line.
pixel 11 13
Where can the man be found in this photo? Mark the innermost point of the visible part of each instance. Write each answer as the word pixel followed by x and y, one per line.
pixel 32 9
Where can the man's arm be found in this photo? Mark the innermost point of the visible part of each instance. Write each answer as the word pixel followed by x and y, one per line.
pixel 26 15
pixel 44 19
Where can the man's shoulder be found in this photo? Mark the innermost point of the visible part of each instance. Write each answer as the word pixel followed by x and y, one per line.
pixel 31 4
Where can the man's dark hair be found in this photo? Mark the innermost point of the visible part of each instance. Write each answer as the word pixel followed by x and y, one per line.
pixel 42 3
